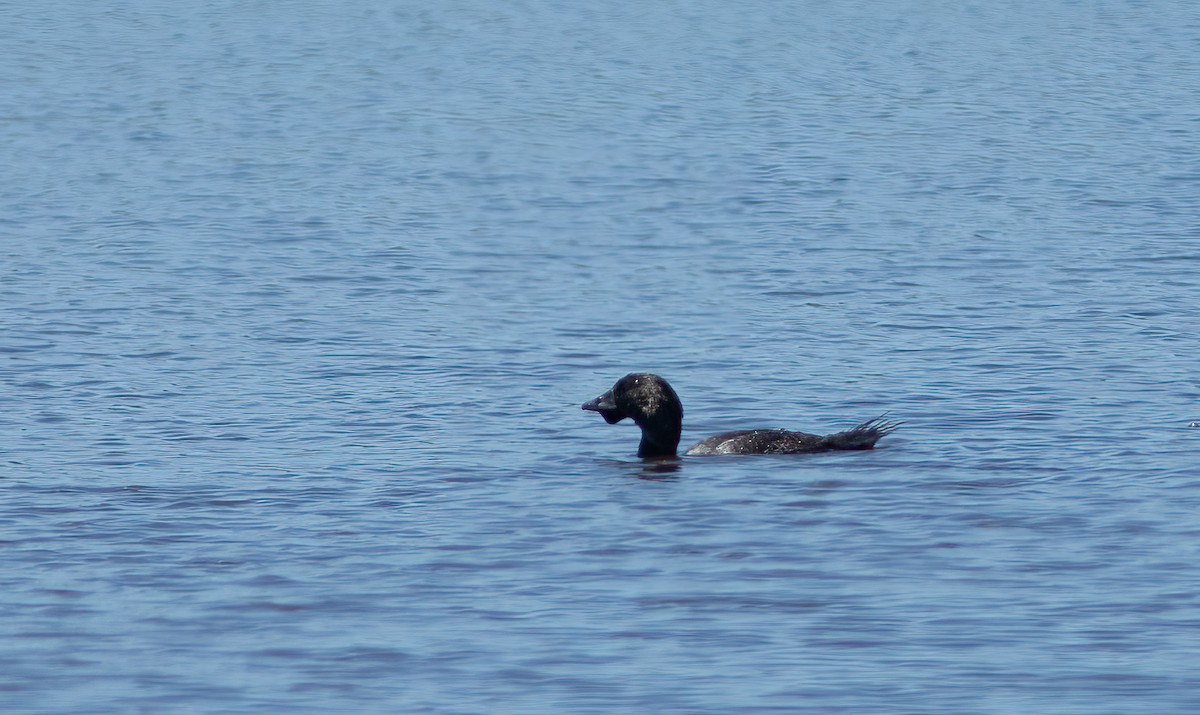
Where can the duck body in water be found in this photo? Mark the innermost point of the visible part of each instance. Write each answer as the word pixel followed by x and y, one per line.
pixel 652 404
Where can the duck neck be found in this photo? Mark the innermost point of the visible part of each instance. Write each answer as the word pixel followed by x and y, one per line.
pixel 658 444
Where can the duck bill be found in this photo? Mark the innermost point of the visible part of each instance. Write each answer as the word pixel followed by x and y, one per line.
pixel 606 406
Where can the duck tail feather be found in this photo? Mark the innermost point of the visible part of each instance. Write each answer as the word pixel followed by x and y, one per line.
pixel 865 435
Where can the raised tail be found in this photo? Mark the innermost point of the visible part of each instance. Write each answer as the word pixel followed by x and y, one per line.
pixel 863 436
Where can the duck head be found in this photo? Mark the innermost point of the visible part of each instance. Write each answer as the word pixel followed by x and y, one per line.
pixel 652 404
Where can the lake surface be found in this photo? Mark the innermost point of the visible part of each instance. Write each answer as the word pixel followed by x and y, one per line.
pixel 300 301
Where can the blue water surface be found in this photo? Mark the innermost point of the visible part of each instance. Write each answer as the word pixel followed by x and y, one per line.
pixel 299 301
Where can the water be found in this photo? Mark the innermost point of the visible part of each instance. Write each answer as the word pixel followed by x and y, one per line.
pixel 300 302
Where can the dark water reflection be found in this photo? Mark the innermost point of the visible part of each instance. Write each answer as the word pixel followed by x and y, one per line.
pixel 300 303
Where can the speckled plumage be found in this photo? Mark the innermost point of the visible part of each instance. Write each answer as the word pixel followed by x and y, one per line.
pixel 653 405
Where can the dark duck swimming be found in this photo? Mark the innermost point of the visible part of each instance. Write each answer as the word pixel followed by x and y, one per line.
pixel 652 404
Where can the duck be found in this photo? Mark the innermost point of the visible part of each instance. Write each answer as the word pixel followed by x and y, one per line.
pixel 652 404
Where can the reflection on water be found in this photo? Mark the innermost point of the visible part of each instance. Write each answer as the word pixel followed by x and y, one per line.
pixel 660 469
